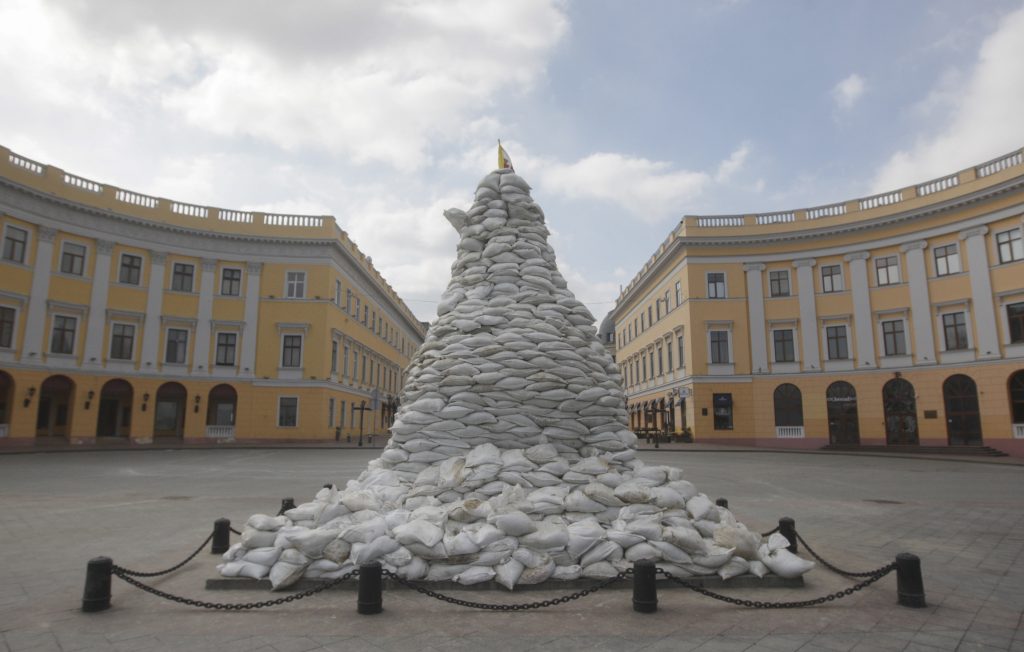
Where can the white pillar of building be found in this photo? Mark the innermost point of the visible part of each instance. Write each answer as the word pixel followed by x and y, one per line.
pixel 862 322
pixel 204 320
pixel 808 314
pixel 154 306
pixel 98 305
pixel 755 310
pixel 920 302
pixel 984 311
pixel 35 322
pixel 252 313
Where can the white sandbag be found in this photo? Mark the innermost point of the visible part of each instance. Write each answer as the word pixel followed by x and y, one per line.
pixel 601 570
pixel 570 572
pixel 461 544
pixel 632 512
pixel 475 575
pixel 686 538
pixel 364 553
pixel 548 536
pixel 267 523
pixel 311 542
pixel 414 570
pixel 283 574
pixel 631 492
pixel 777 541
pixel 577 501
pixel 603 494
pixel 715 557
pixel 647 527
pixel 263 556
pixel 365 531
pixel 243 569
pixel 332 512
pixel 784 563
pixel 253 538
pixel 591 466
pixel 537 574
pixel 734 567
pixel 486 535
pixel 234 552
pixel 610 480
pixel 419 531
pixel 643 551
pixel 445 572
pixel 758 568
pixel 699 506
pixel 305 512
pixel 514 523
pixel 530 558
pixel 667 498
pixel 337 550
pixel 685 489
pixel 623 538
pixel 601 551
pixel 485 454
pixel 359 500
pixel 739 537
pixel 541 453
pixel 706 528
pixel 507 574
pixel 671 553
pixel 398 557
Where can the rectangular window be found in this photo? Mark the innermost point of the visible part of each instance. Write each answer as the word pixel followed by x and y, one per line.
pixel 679 293
pixel 337 293
pixel 72 259
pixel 291 351
pixel 947 260
pixel 643 324
pixel 643 362
pixel 122 341
pixel 719 347
pixel 344 361
pixel 63 339
pixel 15 241
pixel 177 346
pixel 657 310
pixel 348 301
pixel 778 283
pixel 330 413
pixel 131 270
pixel 181 279
pixel 716 285
pixel 231 282
pixel 954 328
pixel 652 364
pixel 887 270
pixel 226 344
pixel 893 337
pixel 288 411
pixel 295 285
pixel 1010 246
pixel 838 348
pixel 334 356
pixel 783 343
pixel 722 406
pixel 679 347
pixel 6 327
pixel 362 370
pixel 1014 315
pixel 661 368
pixel 668 353
pixel 341 414
pixel 366 314
pixel 831 278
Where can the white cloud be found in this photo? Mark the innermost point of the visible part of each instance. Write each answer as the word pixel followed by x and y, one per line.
pixel 848 91
pixel 731 165
pixel 985 118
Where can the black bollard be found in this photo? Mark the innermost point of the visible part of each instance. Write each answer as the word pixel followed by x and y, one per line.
pixel 370 584
pixel 221 536
pixel 787 528
pixel 286 504
pixel 645 588
pixel 96 596
pixel 722 502
pixel 328 485
pixel 909 585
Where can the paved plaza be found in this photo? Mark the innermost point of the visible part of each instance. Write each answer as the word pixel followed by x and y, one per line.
pixel 149 509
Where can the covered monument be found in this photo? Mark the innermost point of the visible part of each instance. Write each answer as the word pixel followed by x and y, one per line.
pixel 510 457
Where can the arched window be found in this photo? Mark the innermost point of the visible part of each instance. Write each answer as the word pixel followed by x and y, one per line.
pixel 1017 397
pixel 789 406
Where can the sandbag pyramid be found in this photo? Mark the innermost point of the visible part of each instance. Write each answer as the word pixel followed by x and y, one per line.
pixel 510 458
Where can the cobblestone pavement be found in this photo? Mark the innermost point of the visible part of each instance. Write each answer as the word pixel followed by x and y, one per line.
pixel 149 509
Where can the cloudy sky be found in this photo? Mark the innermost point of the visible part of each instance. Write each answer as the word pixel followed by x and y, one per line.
pixel 624 116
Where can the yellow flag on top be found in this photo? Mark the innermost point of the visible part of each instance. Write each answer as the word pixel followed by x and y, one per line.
pixel 503 160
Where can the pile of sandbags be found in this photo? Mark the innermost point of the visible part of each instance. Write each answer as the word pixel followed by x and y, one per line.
pixel 510 458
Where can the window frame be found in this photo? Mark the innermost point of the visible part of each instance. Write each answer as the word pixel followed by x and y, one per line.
pixel 280 411
pixel 1014 244
pixel 13 332
pixel 285 350
pixel 832 279
pixel 885 337
pixel 121 267
pixel 217 349
pixel 113 337
pixel 24 245
pixel 223 279
pixel 961 331
pixel 712 346
pixel 1017 318
pixel 167 345
pixel 845 341
pixel 791 342
pixel 943 260
pixel 888 273
pixel 176 275
pixel 53 333
pixel 295 288
pixel 724 284
pixel 84 263
pixel 775 285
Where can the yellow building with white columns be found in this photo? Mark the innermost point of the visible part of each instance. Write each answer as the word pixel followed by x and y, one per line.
pixel 896 319
pixel 125 317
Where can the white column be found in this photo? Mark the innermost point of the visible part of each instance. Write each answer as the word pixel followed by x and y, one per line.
pixel 35 322
pixel 981 292
pixel 920 303
pixel 201 359
pixel 98 304
pixel 755 310
pixel 862 308
pixel 808 314
pixel 252 313
pixel 154 306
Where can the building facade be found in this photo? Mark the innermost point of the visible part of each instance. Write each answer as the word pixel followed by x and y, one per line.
pixel 891 319
pixel 125 316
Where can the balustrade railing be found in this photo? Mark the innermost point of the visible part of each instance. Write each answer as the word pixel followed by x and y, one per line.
pixel 885 199
pixel 129 197
pixel 274 219
pixel 234 216
pixel 220 432
pixel 789 432
pixel 190 209
pixel 937 185
pixel 775 218
pixel 1018 431
pixel 999 164
pixel 25 163
pixel 826 211
pixel 83 184
pixel 736 220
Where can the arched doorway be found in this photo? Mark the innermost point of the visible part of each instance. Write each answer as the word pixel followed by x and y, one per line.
pixel 789 411
pixel 6 403
pixel 843 426
pixel 114 415
pixel 1016 387
pixel 56 397
pixel 169 415
pixel 900 408
pixel 963 418
pixel 220 411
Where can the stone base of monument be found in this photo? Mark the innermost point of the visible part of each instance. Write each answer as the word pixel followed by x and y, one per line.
pixel 707 581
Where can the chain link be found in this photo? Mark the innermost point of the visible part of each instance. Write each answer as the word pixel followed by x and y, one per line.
pixel 771 532
pixel 231 606
pixel 758 604
pixel 829 566
pixel 172 568
pixel 521 606
pixel 234 530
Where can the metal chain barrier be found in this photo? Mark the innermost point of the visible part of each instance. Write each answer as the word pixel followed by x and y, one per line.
pixel 235 531
pixel 172 568
pixel 521 606
pixel 829 566
pixel 771 532
pixel 758 604
pixel 240 606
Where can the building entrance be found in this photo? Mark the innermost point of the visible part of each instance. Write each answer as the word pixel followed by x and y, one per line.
pixel 843 426
pixel 55 401
pixel 963 418
pixel 900 407
pixel 115 409
pixel 169 415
